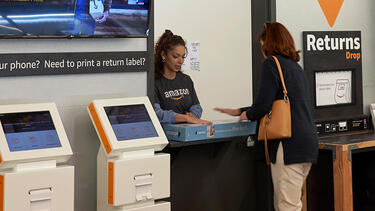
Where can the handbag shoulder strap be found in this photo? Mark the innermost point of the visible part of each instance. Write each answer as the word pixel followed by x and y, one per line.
pixel 281 75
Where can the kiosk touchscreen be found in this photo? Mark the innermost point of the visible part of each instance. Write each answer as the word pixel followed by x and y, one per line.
pixel 127 124
pixel 29 131
pixel 131 176
pixel 32 142
pixel 130 122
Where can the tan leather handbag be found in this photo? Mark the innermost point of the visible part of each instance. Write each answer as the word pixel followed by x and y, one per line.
pixel 277 123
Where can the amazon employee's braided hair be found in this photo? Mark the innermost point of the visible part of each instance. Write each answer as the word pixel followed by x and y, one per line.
pixel 166 42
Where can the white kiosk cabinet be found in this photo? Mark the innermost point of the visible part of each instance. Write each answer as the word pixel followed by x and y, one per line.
pixel 131 176
pixel 32 143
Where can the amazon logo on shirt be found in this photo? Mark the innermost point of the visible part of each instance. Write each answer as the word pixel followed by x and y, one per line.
pixel 176 94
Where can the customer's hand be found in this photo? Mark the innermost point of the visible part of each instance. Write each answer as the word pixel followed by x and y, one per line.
pixel 230 111
pixel 243 117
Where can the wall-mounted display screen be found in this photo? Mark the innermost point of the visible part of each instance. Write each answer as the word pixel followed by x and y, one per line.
pixel 333 87
pixel 130 122
pixel 74 18
pixel 29 131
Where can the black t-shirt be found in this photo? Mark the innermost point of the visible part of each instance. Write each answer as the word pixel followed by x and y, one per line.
pixel 177 94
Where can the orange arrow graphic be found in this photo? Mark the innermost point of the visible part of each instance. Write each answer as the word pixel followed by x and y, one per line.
pixel 331 9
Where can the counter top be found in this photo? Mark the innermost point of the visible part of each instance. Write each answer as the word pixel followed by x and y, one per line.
pixel 175 144
pixel 362 140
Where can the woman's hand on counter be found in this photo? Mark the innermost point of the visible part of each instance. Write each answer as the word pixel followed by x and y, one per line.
pixel 243 117
pixel 195 120
pixel 190 118
pixel 230 111
pixel 190 114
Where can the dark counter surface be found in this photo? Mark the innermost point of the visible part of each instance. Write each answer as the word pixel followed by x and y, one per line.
pixel 349 138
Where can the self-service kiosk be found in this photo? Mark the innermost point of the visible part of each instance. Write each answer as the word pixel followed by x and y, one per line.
pixel 33 148
pixel 131 176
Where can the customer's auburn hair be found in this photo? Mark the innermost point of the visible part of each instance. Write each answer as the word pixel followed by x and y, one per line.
pixel 166 42
pixel 276 40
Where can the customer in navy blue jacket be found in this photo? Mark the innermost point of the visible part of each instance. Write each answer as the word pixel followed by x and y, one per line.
pixel 291 158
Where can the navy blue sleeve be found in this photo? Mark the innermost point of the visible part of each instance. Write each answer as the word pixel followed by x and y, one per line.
pixel 244 109
pixel 268 90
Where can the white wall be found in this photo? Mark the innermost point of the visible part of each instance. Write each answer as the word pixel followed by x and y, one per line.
pixel 223 29
pixel 72 94
pixel 355 15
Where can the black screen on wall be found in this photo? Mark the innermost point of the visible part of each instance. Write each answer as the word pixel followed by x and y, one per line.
pixel 73 18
